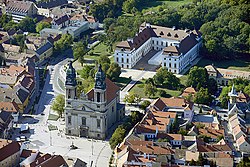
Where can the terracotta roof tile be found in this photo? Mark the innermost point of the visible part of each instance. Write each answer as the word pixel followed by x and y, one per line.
pixel 8 148
pixel 9 106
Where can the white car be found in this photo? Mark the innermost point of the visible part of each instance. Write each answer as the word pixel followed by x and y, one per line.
pixel 23 138
pixel 18 139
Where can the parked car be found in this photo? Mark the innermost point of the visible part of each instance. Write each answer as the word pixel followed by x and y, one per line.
pixel 18 139
pixel 23 138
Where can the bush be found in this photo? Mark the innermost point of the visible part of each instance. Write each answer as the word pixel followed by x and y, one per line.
pixel 145 104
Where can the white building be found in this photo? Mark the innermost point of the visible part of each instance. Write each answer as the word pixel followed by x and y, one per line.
pixel 176 48
pixel 94 113
pixel 18 10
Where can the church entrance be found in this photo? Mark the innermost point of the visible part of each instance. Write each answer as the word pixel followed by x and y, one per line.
pixel 83 131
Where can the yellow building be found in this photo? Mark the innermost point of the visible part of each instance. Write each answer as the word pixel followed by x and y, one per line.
pixel 223 76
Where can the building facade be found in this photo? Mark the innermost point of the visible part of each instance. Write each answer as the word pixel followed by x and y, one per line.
pixel 20 9
pixel 223 76
pixel 176 49
pixel 93 113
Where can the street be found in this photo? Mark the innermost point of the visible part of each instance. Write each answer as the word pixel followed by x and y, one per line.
pixel 55 141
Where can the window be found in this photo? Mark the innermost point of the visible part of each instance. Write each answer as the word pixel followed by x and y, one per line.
pixel 170 65
pixel 69 94
pixel 98 123
pixel 113 109
pixel 69 120
pixel 153 42
pixel 127 66
pixel 98 97
pixel 122 60
pixel 127 60
pixel 157 42
pixel 117 59
pixel 69 131
pixel 174 65
pixel 83 121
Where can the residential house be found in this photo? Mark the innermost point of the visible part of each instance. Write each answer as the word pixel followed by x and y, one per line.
pixel 18 10
pixel 188 91
pixel 174 139
pixel 155 122
pixel 45 7
pixel 223 76
pixel 11 48
pixel 20 96
pixel 9 153
pixel 61 22
pixel 14 58
pixel 93 23
pixel 74 26
pixel 44 52
pixel 243 144
pixel 176 49
pixel 6 123
pixel 11 107
pixel 181 106
pixel 142 153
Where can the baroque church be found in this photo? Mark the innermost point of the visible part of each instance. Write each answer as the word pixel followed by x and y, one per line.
pixel 94 113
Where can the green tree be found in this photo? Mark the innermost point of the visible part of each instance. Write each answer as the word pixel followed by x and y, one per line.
pixel 132 98
pixel 58 104
pixel 114 71
pixel 203 97
pixel 224 98
pixel 63 43
pixel 197 76
pixel 135 117
pixel 183 132
pixel 79 50
pixel 201 160
pixel 27 24
pixel 41 25
pixel 85 72
pixel 103 59
pixel 117 136
pixel 149 90
pixel 145 104
pixel 245 162
pixel 166 79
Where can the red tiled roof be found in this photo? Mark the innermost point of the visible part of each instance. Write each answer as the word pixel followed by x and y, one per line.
pixel 9 106
pixel 161 103
pixel 111 91
pixel 8 148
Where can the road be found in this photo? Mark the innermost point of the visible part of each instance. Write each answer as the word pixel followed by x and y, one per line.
pixel 55 141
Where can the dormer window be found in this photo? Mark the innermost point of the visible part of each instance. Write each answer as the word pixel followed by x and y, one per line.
pixel 161 33
pixel 169 35
pixel 176 36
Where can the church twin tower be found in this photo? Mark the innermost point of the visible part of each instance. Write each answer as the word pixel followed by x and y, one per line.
pixel 94 113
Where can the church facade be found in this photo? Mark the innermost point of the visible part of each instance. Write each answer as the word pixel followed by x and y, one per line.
pixel 94 113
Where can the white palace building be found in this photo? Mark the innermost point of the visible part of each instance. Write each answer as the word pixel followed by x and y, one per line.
pixel 177 49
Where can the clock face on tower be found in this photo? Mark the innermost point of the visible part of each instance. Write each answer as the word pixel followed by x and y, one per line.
pixel 98 83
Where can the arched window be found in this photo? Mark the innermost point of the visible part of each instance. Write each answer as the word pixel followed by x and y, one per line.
pixel 98 97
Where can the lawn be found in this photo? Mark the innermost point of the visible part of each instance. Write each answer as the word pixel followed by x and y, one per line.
pixel 154 5
pixel 122 82
pixel 53 117
pixel 138 89
pixel 228 64
pixel 97 51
